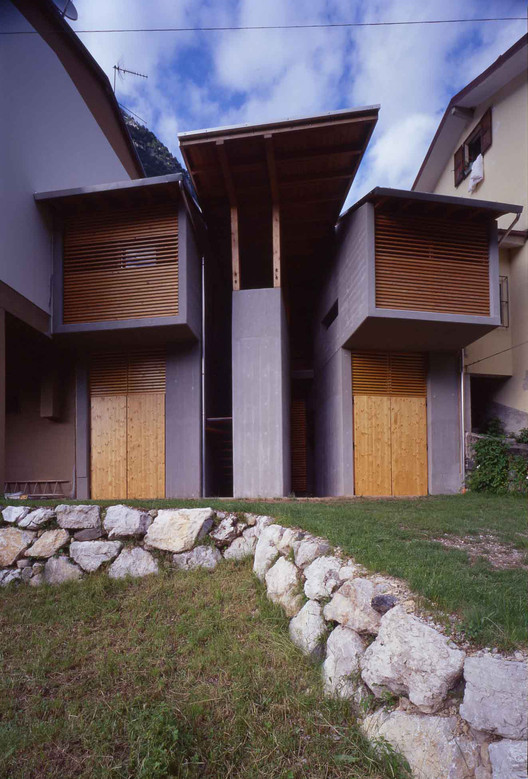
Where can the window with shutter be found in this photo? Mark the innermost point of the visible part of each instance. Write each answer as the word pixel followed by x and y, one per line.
pixel 478 142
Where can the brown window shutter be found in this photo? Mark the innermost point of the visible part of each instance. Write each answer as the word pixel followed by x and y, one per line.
pixel 485 128
pixel 459 165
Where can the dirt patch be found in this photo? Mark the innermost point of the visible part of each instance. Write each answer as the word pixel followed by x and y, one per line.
pixel 488 546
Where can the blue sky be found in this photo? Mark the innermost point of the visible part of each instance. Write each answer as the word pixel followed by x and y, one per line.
pixel 208 79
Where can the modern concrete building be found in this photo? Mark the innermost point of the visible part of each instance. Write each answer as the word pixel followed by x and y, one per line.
pixel 489 117
pixel 237 337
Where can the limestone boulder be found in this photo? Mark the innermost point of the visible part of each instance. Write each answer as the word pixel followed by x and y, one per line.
pixel 323 575
pixel 59 570
pixel 243 546
pixel 90 555
pixel 411 658
pixel 310 548
pixel 178 530
pixel 199 557
pixel 125 522
pixel 13 542
pixel 290 541
pixel 8 575
pixel 351 606
pixel 432 746
pixel 36 519
pixel 508 759
pixel 283 582
pixel 495 696
pixel 135 562
pixel 48 543
pixel 308 629
pixel 341 670
pixel 14 514
pixel 78 517
pixel 227 530
pixel 266 551
pixel 258 521
pixel 90 534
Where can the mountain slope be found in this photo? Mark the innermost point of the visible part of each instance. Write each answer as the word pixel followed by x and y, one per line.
pixel 156 158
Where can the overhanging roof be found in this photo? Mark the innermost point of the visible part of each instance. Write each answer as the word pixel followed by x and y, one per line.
pixel 508 66
pixel 305 165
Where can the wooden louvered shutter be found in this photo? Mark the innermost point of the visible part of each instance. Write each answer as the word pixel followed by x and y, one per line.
pixel 385 374
pixel 485 132
pixel 431 264
pixel 298 446
pixel 459 165
pixel 121 264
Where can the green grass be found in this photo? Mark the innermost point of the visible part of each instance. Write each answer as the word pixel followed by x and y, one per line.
pixel 185 674
pixel 397 537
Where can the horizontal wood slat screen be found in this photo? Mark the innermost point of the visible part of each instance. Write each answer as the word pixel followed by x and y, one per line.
pixel 429 264
pixel 389 374
pixel 113 373
pixel 121 264
pixel 298 446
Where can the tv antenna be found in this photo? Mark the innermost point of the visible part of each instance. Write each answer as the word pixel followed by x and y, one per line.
pixel 121 71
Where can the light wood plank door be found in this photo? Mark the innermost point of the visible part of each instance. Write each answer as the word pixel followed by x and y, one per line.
pixel 372 445
pixel 408 446
pixel 109 446
pixel 146 445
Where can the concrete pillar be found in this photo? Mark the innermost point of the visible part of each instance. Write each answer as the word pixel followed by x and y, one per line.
pixel 261 395
pixel 444 431
pixel 82 432
pixel 2 398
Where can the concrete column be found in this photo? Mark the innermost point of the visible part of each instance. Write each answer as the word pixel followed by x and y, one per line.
pixel 183 422
pixel 2 398
pixel 82 432
pixel 444 424
pixel 261 395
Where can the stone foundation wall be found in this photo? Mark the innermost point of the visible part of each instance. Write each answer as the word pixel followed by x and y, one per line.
pixel 452 712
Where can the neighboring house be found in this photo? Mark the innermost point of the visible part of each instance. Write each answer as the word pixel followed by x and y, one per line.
pixel 152 347
pixel 489 117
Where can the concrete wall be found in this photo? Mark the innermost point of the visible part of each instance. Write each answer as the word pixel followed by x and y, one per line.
pixel 48 140
pixel 183 426
pixel 334 452
pixel 444 421
pixel 261 394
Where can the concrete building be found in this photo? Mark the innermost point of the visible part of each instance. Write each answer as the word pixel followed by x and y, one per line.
pixel 489 117
pixel 239 337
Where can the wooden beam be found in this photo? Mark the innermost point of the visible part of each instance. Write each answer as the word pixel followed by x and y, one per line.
pixel 276 246
pixel 228 180
pixel 235 250
pixel 272 169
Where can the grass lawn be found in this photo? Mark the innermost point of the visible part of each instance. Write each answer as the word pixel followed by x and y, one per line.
pixel 185 674
pixel 397 537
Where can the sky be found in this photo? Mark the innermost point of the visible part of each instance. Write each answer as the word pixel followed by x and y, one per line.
pixel 209 79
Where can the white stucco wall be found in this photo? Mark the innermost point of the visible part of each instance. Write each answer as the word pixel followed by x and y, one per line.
pixel 48 140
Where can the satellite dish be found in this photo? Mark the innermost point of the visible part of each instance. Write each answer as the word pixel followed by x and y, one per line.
pixel 67 9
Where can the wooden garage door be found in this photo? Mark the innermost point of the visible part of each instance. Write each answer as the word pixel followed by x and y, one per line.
pixel 127 398
pixel 390 423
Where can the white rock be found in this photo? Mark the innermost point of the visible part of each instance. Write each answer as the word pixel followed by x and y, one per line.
pixel 266 551
pixel 430 744
pixel 290 541
pixel 12 543
pixel 283 582
pixel 199 557
pixel 310 548
pixel 8 575
pixel 48 543
pixel 228 529
pixel 177 530
pixel 15 513
pixel 508 759
pixel 134 562
pixel 341 671
pixel 90 555
pixel 259 521
pixel 351 606
pixel 36 518
pixel 36 580
pixel 59 569
pixel 308 629
pixel 243 546
pixel 495 696
pixel 78 517
pixel 123 521
pixel 410 658
pixel 322 577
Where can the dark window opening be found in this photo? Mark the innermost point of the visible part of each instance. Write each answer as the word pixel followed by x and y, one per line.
pixel 331 315
pixel 478 142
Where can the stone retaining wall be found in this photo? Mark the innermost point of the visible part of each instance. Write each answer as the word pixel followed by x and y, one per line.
pixel 453 713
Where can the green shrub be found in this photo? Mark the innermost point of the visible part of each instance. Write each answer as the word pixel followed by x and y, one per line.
pixel 522 436
pixel 495 427
pixel 496 469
